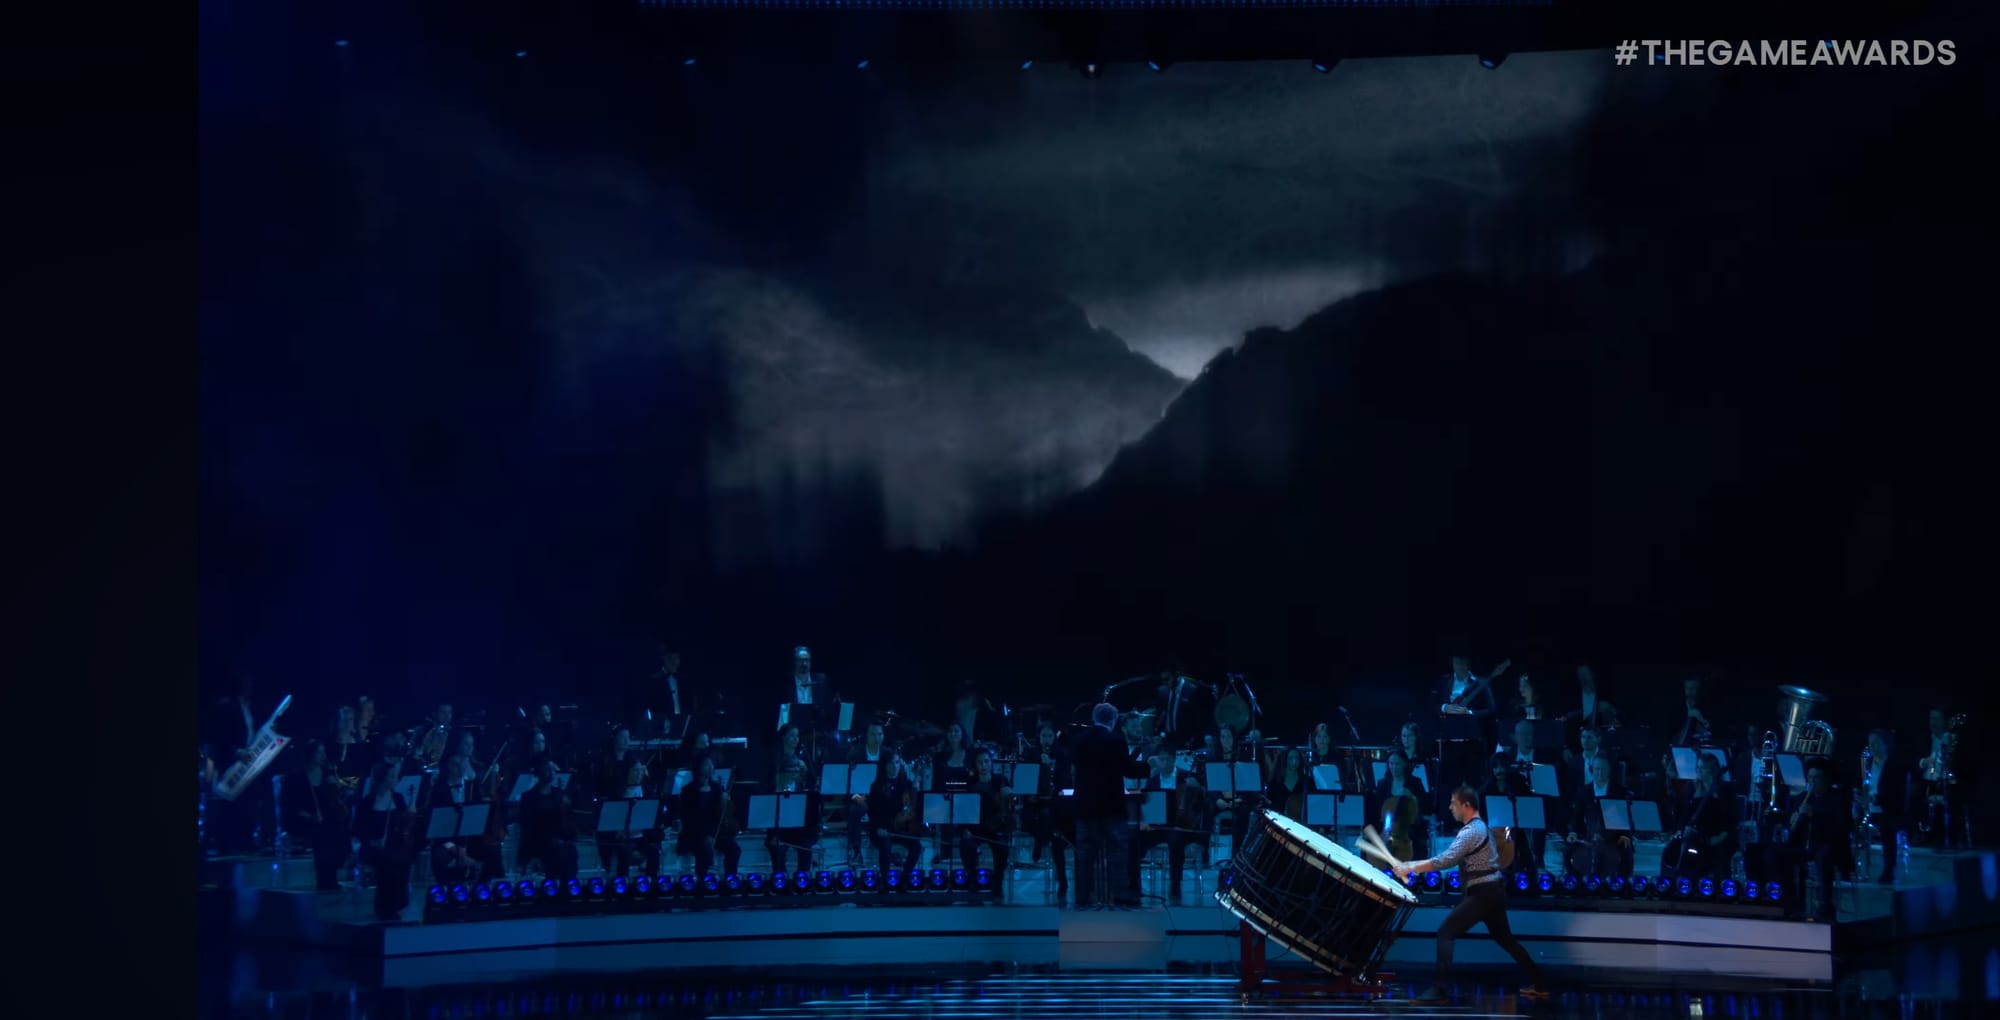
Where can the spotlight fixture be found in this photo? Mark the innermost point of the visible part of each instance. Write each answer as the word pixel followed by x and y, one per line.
pixel 1593 885
pixel 1090 69
pixel 482 894
pixel 1641 886
pixel 845 881
pixel 960 880
pixel 504 893
pixel 1773 891
pixel 940 880
pixel 1750 891
pixel 710 884
pixel 1570 885
pixel 982 879
pixel 756 884
pixel 1683 888
pixel 551 889
pixel 1433 881
pixel 1708 888
pixel 1156 66
pixel 1325 65
pixel 892 880
pixel 1729 889
pixel 1452 880
pixel 732 884
pixel 1225 876
pixel 802 882
pixel 871 880
pixel 1616 886
pixel 437 895
pixel 781 883
pixel 1490 61
pixel 687 885
pixel 597 888
pixel 823 882
pixel 1521 882
pixel 620 888
pixel 1546 883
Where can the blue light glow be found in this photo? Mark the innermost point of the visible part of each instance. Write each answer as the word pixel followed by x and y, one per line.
pixel 436 895
pixel 340 42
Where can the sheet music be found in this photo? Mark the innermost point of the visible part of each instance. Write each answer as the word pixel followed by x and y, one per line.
pixel 1529 813
pixel 846 716
pixel 1646 816
pixel 862 778
pixel 1320 808
pixel 473 820
pixel 1500 812
pixel 645 815
pixel 1617 815
pixel 1326 777
pixel 833 781
pixel 611 815
pixel 1247 778
pixel 1134 785
pixel 792 811
pixel 1167 781
pixel 1027 778
pixel 444 823
pixel 1544 782
pixel 763 812
pixel 1381 770
pixel 522 784
pixel 937 809
pixel 1154 810
pixel 408 786
pixel 965 809
pixel 1687 759
pixel 1220 779
pixel 1352 812
pixel 682 777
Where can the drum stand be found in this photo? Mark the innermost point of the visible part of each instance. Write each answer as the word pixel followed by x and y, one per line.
pixel 1253 975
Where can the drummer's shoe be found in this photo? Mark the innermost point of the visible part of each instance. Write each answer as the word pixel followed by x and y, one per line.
pixel 1431 996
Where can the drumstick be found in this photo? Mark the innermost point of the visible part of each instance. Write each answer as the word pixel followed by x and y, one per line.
pixel 1368 833
pixel 1381 856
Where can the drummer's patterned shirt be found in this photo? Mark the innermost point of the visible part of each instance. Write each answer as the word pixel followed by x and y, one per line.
pixel 1468 855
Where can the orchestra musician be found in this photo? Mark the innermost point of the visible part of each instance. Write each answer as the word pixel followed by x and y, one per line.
pixel 1234 809
pixel 367 729
pixel 1705 840
pixel 617 850
pixel 611 777
pixel 793 774
pixel 1602 853
pixel 1695 727
pixel 348 756
pixel 975 716
pixel 708 822
pixel 1187 820
pixel 1321 745
pixel 1049 818
pixel 431 740
pixel 1943 780
pixel 807 687
pixel 1506 778
pixel 548 830
pixel 995 828
pixel 951 772
pixel 1884 797
pixel 895 816
pixel 1473 694
pixel 316 808
pixel 385 823
pixel 1577 765
pixel 1399 800
pixel 1286 792
pixel 869 752
pixel 1525 705
pixel 1820 822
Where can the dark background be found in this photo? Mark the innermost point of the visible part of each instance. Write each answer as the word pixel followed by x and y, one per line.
pixel 514 368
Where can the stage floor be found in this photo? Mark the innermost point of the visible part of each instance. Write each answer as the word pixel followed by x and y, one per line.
pixel 1025 994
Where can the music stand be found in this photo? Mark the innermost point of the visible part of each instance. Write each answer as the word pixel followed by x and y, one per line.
pixel 1457 727
pixel 408 787
pixel 1321 809
pixel 1543 781
pixel 682 779
pixel 951 809
pixel 777 811
pixel 1687 760
pixel 443 824
pixel 1327 778
pixel 1792 769
pixel 1027 776
pixel 1531 813
pixel 645 815
pixel 1499 811
pixel 1646 817
pixel 1153 811
pixel 472 819
pixel 522 784
pixel 1615 814
pixel 842 780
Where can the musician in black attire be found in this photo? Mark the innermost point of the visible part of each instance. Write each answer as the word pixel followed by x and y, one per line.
pixel 385 824
pixel 548 833
pixel 702 832
pixel 1884 793
pixel 1820 821
pixel 870 751
pixel 895 814
pixel 1051 819
pixel 1613 853
pixel 1184 828
pixel 316 815
pixel 1234 809
pixel 1505 778
pixel 1706 822
pixel 1101 769
pixel 994 830
pixel 794 774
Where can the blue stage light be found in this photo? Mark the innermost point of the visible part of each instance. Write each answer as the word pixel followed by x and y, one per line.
pixel 781 882
pixel 504 892
pixel 892 879
pixel 687 884
pixel 1707 888
pixel 1453 880
pixel 1729 889
pixel 597 888
pixel 1490 61
pixel 862 66
pixel 732 884
pixel 642 886
pixel 574 890
pixel 940 880
pixel 1026 64
pixel 436 895
pixel 960 880
pixel 1570 885
pixel 755 883
pixel 1774 892
pixel 824 881
pixel 802 882
pixel 1521 882
pixel 1750 891
pixel 1325 65
pixel 913 880
pixel 1546 883
pixel 1641 885
pixel 1683 888
pixel 526 890
pixel 551 888
pixel 520 54
pixel 1433 881
pixel 846 881
pixel 711 884
pixel 1593 885
pixel 871 880
pixel 342 43
pixel 1225 876
pixel 982 879
pixel 1616 884
pixel 483 893
pixel 619 887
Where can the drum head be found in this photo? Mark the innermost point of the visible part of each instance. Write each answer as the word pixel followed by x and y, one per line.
pixel 1343 859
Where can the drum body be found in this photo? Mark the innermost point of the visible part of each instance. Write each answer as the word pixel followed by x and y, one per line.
pixel 1315 898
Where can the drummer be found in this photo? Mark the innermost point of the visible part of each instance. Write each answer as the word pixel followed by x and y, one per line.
pixel 1478 860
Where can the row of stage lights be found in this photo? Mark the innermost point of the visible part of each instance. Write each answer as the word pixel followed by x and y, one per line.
pixel 1617 887
pixel 600 895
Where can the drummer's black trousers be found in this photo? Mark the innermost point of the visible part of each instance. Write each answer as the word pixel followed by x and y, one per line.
pixel 1485 902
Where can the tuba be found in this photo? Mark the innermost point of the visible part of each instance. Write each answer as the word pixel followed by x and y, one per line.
pixel 1803 735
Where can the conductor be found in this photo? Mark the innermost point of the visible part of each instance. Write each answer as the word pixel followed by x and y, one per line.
pixel 1101 768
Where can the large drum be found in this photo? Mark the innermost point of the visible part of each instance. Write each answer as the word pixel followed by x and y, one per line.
pixel 1315 898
